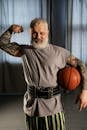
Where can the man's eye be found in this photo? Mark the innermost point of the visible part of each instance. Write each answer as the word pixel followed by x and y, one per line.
pixel 42 33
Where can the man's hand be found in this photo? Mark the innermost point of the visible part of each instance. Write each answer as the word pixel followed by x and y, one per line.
pixel 82 100
pixel 16 28
pixel 71 60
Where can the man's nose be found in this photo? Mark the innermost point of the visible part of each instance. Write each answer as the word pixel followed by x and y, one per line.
pixel 38 36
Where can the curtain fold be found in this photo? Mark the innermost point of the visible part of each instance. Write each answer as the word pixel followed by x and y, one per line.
pixel 77 28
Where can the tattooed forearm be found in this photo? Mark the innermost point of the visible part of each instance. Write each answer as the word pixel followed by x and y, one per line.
pixel 83 69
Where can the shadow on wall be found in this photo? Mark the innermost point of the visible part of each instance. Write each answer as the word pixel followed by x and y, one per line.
pixel 12 79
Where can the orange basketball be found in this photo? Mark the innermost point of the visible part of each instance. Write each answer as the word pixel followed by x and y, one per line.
pixel 69 78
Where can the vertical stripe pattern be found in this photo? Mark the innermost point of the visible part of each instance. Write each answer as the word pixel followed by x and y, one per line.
pixel 53 122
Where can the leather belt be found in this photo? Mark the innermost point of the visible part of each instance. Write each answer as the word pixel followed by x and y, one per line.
pixel 46 93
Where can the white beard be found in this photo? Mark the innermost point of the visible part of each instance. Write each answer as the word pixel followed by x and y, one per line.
pixel 40 45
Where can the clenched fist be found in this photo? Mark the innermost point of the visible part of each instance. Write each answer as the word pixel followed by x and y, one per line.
pixel 16 28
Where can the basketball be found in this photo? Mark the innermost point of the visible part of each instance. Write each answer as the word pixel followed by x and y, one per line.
pixel 69 78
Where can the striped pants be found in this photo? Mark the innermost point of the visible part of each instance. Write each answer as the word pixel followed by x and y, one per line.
pixel 53 122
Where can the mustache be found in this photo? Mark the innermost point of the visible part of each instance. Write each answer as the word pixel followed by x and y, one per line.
pixel 37 40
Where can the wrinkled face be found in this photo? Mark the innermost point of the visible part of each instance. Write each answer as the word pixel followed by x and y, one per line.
pixel 39 35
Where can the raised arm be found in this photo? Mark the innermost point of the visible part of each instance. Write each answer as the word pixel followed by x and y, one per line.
pixel 5 44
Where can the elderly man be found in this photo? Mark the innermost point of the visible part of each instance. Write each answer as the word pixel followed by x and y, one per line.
pixel 41 63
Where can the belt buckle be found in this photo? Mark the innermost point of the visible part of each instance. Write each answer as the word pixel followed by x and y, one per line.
pixel 50 92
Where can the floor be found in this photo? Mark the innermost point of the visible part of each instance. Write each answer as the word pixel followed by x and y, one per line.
pixel 13 118
pixel 11 113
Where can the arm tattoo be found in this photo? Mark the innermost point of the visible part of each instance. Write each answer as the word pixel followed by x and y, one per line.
pixel 11 48
pixel 83 69
pixel 5 38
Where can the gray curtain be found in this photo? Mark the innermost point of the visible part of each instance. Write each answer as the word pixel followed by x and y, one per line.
pixel 17 12
pixel 76 32
pixel 58 22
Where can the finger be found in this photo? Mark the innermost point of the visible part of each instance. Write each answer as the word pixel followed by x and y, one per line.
pixel 85 105
pixel 81 106
pixel 20 29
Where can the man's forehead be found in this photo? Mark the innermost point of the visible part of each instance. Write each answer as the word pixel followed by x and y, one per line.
pixel 40 26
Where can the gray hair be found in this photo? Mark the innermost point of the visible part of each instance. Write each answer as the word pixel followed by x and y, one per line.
pixel 37 21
